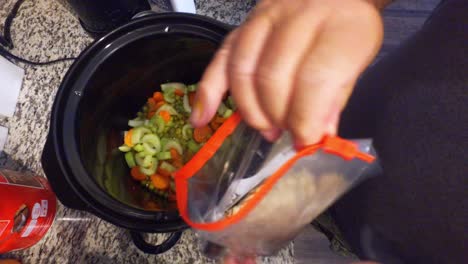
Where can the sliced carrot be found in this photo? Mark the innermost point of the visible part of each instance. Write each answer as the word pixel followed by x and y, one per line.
pixel 151 114
pixel 165 115
pixel 137 174
pixel 219 119
pixel 151 104
pixel 158 97
pixel 191 97
pixel 214 125
pixel 202 134
pixel 216 122
pixel 164 172
pixel 175 154
pixel 179 92
pixel 128 138
pixel 159 181
pixel 159 104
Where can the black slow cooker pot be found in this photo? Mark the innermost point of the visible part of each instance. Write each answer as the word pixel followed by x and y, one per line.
pixel 104 88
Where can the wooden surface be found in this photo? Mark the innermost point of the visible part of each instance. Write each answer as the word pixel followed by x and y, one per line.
pixel 401 19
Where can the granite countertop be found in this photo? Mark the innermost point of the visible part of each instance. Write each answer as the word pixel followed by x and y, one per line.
pixel 45 30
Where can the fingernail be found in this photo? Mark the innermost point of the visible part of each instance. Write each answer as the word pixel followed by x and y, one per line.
pixel 271 135
pixel 197 112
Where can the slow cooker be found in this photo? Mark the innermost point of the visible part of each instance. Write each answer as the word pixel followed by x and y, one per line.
pixel 102 90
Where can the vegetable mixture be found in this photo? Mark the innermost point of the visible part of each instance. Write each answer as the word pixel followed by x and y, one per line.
pixel 162 140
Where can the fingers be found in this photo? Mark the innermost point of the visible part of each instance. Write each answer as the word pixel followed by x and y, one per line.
pixel 272 134
pixel 212 86
pixel 242 65
pixel 325 80
pixel 292 66
pixel 279 61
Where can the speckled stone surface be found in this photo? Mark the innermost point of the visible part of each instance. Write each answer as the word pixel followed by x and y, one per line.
pixel 45 30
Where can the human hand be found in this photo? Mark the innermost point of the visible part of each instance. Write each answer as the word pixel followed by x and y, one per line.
pixel 292 66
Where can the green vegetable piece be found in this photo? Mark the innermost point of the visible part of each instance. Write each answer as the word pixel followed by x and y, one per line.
pixel 147 161
pixel 138 148
pixel 139 160
pixel 136 122
pixel 186 104
pixel 192 87
pixel 165 155
pixel 151 143
pixel 169 96
pixel 167 166
pixel 130 159
pixel 164 142
pixel 172 86
pixel 142 154
pixel 222 109
pixel 228 113
pixel 152 169
pixel 231 103
pixel 138 134
pixel 125 148
pixel 173 144
pixel 167 108
pixel 187 131
pixel 193 146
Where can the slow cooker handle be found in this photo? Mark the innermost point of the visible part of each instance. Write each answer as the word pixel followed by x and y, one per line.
pixel 148 248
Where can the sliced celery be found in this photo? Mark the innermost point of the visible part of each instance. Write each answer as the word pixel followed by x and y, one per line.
pixel 138 133
pixel 130 159
pixel 192 87
pixel 169 96
pixel 165 155
pixel 167 108
pixel 138 148
pixel 187 131
pixel 147 161
pixel 151 143
pixel 175 145
pixel 167 166
pixel 152 169
pixel 136 122
pixel 172 86
pixel 139 160
pixel 125 148
pixel 186 103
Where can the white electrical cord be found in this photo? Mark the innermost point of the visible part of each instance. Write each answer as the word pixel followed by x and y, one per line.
pixel 184 6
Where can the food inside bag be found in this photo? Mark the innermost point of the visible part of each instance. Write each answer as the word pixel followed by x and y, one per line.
pixel 253 197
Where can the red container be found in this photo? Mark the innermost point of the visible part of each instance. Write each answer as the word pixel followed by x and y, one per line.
pixel 27 210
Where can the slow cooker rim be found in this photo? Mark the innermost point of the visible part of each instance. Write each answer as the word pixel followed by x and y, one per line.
pixel 70 80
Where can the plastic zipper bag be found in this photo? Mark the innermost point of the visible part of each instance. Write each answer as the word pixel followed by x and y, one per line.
pixel 253 197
